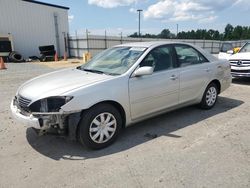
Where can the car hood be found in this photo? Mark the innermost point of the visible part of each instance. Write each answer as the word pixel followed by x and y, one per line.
pixel 223 55
pixel 59 82
pixel 240 56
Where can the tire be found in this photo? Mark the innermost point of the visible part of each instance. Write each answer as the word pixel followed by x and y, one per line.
pixel 209 97
pixel 99 126
pixel 15 57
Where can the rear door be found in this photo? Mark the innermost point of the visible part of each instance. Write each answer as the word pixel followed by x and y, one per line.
pixel 152 93
pixel 195 72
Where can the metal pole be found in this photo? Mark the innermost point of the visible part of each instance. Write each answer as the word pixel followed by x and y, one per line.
pixel 87 38
pixel 139 11
pixel 105 40
pixel 121 37
pixel 65 42
pixel 57 34
pixel 177 30
pixel 77 45
pixel 68 42
pixel 212 47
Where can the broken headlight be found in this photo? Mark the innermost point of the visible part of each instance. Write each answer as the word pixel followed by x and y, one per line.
pixel 51 104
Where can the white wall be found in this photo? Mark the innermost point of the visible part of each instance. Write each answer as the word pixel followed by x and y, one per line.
pixel 32 25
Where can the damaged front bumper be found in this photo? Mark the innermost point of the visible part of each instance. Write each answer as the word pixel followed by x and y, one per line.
pixel 54 122
pixel 30 120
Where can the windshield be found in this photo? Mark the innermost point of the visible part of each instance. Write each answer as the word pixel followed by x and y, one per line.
pixel 226 46
pixel 114 61
pixel 245 48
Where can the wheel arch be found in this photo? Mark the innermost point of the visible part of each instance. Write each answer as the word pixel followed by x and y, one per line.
pixel 117 105
pixel 217 83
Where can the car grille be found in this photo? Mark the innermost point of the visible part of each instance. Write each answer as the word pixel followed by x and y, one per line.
pixel 23 103
pixel 240 63
pixel 240 71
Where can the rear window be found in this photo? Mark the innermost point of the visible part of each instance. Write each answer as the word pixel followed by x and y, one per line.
pixel 188 56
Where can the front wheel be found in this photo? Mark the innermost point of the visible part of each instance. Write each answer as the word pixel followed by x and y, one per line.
pixel 209 97
pixel 100 126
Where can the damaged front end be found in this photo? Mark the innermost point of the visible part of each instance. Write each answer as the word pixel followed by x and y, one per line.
pixel 45 115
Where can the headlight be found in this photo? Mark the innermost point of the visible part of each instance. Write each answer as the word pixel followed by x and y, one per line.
pixel 51 104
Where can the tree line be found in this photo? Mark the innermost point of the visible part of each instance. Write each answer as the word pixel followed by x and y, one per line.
pixel 230 33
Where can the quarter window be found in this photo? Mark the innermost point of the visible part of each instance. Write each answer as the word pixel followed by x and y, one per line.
pixel 160 58
pixel 187 55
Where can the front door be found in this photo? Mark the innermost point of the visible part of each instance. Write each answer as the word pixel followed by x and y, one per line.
pixel 152 93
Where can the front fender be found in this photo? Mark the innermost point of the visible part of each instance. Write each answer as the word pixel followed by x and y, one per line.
pixel 112 90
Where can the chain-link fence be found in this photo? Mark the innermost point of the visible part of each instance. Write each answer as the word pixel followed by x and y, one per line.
pixel 94 44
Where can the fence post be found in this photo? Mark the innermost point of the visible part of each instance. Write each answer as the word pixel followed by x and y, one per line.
pixel 220 45
pixel 212 47
pixel 87 39
pixel 105 40
pixel 121 37
pixel 68 45
pixel 65 43
pixel 77 45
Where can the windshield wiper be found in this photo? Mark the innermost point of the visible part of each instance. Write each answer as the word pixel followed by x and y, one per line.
pixel 112 74
pixel 94 71
pixel 98 71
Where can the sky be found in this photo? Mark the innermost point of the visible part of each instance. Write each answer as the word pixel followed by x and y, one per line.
pixel 120 16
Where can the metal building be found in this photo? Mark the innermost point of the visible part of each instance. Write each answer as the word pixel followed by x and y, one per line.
pixel 32 24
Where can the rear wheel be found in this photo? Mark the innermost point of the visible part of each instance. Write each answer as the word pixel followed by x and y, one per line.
pixel 210 96
pixel 100 126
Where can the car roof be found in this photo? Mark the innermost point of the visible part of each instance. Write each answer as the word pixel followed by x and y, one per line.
pixel 148 44
pixel 153 44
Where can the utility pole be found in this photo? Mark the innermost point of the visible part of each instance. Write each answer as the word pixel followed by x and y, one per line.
pixel 177 30
pixel 139 11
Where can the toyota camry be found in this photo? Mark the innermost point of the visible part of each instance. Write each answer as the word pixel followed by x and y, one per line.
pixel 120 86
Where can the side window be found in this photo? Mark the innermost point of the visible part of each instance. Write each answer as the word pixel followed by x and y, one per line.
pixel 187 55
pixel 160 58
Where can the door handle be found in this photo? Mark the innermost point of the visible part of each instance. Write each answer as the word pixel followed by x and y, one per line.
pixel 173 77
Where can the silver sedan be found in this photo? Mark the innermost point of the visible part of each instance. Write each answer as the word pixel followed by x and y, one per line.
pixel 119 87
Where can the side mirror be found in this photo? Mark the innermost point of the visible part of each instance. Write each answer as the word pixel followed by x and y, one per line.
pixel 143 71
pixel 230 52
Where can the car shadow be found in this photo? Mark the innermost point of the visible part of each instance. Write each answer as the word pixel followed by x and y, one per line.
pixel 57 148
pixel 241 81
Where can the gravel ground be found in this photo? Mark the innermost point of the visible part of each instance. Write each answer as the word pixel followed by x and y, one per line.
pixel 185 148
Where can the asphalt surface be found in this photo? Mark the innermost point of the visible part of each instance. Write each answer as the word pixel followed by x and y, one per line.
pixel 189 147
